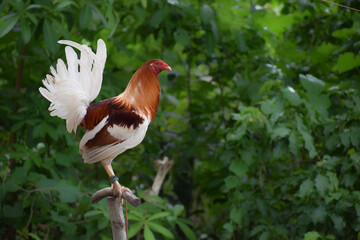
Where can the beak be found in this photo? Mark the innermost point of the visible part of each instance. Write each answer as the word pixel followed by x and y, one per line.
pixel 168 68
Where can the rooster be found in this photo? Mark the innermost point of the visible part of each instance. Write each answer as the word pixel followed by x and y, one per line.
pixel 113 125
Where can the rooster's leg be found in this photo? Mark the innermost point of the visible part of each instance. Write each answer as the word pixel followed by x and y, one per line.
pixel 118 189
pixel 114 185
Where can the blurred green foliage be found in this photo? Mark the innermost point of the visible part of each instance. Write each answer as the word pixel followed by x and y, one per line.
pixel 261 115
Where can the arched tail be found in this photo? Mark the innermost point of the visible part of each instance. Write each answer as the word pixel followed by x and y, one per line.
pixel 71 89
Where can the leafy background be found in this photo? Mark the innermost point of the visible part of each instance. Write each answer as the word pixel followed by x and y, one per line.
pixel 261 115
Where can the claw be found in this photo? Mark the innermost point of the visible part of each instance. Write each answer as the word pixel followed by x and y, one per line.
pixel 117 188
pixel 125 189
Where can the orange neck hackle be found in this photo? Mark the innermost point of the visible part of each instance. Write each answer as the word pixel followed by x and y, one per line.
pixel 143 90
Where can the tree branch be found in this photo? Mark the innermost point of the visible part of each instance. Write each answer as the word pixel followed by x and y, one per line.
pixel 117 219
pixel 108 192
pixel 163 168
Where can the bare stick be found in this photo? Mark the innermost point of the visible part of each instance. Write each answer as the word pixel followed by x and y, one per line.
pixel 108 192
pixel 117 218
pixel 163 168
pixel 116 214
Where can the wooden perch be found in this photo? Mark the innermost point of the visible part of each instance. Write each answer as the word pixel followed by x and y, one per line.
pixel 108 192
pixel 117 219
pixel 163 168
pixel 116 213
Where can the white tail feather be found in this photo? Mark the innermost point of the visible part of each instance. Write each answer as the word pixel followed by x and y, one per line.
pixel 70 90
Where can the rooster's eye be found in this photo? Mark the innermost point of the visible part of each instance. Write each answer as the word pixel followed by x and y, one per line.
pixel 157 63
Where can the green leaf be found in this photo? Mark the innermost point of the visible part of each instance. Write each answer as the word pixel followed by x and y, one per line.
pixel 320 103
pixel 294 143
pixel 8 24
pixel 236 215
pixel 346 62
pixel 311 83
pixel 345 32
pixel 134 228
pixel 338 221
pixel 276 24
pixel 333 196
pixel 101 224
pixel 158 215
pixel 238 167
pixel 309 142
pixel 32 17
pixel 67 192
pixel 63 4
pixel 34 236
pixel 247 155
pixel 85 18
pixel 209 43
pixel 32 6
pixel 178 209
pixel 50 36
pixel 345 138
pixel 231 182
pixel 207 14
pixel 240 41
pixel 53 133
pixel 332 141
pixel 181 36
pixel 334 181
pixel 134 217
pixel 265 236
pixel 214 30
pixel 63 159
pixel 69 228
pixel 349 180
pixel 272 106
pixel 37 160
pixel 322 184
pixel 313 235
pixel 148 235
pixel 14 211
pixel 160 229
pixel 238 134
pixel 229 227
pixel 17 126
pixel 291 95
pixel 306 188
pixel 58 218
pixel 47 183
pixel 187 231
pixel 257 230
pixel 357 209
pixel 157 18
pixel 354 136
pixel 323 53
pixel 92 213
pixel 17 176
pixel 279 132
pixel 34 177
pixel 25 31
pixel 319 215
pixel 16 5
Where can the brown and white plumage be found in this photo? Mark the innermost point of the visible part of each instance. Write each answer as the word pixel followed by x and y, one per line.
pixel 113 125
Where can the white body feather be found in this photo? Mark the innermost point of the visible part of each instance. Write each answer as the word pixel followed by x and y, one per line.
pixel 128 138
pixel 71 89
